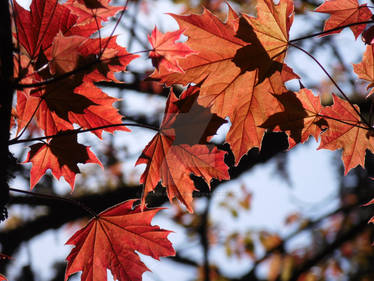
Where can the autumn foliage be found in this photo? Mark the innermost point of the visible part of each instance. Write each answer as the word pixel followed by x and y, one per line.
pixel 232 70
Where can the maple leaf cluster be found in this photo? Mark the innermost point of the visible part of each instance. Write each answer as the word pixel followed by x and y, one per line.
pixel 241 73
pixel 233 70
pixel 59 58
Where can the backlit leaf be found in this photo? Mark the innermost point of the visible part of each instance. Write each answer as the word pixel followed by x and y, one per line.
pixel 346 131
pixel 179 149
pixel 61 155
pixel 345 12
pixel 110 240
pixel 166 51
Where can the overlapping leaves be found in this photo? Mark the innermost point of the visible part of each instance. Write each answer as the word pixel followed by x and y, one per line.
pixel 243 78
pixel 57 67
pixel 179 149
pixel 70 95
pixel 234 65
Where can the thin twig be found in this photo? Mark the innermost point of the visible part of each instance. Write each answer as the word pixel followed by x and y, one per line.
pixel 79 131
pixel 115 26
pixel 98 30
pixel 333 81
pixel 344 122
pixel 58 198
pixel 28 122
pixel 328 31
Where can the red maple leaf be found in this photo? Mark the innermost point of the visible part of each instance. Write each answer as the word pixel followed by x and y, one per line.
pixel 179 149
pixel 110 240
pixel 165 51
pixel 61 155
pixel 90 19
pixel 345 12
pixel 112 58
pixel 37 28
pixel 72 97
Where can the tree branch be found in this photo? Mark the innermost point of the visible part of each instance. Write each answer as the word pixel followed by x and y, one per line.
pixel 6 97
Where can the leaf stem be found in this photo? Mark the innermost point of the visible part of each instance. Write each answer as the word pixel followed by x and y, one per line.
pixel 58 198
pixel 332 80
pixel 79 131
pixel 329 31
pixel 99 32
pixel 28 122
pixel 115 27
pixel 344 122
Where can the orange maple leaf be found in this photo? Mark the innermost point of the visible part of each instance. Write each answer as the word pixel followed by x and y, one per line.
pixel 3 278
pixel 61 155
pixel 165 51
pixel 245 131
pixel 346 131
pixel 230 52
pixel 232 59
pixel 110 240
pixel 272 27
pixel 179 149
pixel 215 44
pixel 247 120
pixel 299 117
pixel 365 69
pixel 345 12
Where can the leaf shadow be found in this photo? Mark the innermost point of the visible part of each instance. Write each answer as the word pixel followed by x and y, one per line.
pixel 194 123
pixel 292 117
pixel 69 152
pixel 60 95
pixel 254 57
